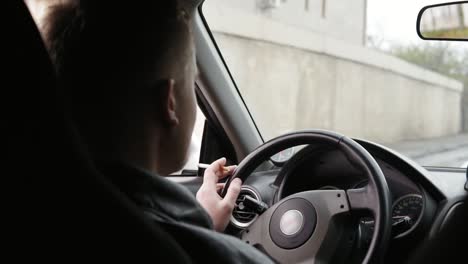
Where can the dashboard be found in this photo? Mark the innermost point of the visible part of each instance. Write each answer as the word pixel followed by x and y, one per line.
pixel 421 197
pixel 424 198
pixel 330 170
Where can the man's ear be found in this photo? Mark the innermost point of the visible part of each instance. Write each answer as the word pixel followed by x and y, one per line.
pixel 168 103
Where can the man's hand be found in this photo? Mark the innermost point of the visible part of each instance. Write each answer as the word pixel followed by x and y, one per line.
pixel 219 209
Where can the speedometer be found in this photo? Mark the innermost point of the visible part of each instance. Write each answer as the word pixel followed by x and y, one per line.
pixel 406 212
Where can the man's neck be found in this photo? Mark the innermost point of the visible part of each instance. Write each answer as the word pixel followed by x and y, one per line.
pixel 143 154
pixel 141 150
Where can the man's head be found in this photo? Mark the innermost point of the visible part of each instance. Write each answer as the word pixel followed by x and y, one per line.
pixel 128 69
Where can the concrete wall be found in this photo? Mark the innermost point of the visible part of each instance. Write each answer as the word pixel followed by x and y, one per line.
pixel 465 109
pixel 287 88
pixel 296 78
pixel 341 19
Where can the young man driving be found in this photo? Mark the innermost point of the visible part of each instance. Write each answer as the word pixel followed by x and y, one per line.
pixel 128 70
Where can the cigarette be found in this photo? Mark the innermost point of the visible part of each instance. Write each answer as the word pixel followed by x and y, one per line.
pixel 204 166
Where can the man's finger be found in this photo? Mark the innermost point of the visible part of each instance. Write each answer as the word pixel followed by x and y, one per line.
pixel 213 172
pixel 233 192
pixel 228 171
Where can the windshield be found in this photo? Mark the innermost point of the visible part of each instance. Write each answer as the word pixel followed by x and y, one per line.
pixel 355 67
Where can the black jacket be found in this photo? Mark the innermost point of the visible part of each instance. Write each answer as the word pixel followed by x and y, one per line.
pixel 175 208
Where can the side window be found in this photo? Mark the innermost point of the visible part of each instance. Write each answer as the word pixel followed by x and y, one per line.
pixel 195 144
pixel 207 144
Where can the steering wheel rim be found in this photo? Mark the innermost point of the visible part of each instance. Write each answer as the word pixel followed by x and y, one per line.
pixel 375 197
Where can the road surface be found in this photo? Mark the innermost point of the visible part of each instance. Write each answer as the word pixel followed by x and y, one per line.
pixel 445 152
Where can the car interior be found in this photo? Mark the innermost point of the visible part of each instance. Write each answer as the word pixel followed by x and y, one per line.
pixel 358 201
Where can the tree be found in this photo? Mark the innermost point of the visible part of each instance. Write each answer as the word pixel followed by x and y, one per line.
pixel 439 57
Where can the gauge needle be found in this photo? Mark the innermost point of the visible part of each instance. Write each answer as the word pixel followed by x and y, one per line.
pixel 396 220
pixel 401 219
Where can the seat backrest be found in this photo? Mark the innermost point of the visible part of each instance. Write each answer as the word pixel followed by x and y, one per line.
pixel 61 207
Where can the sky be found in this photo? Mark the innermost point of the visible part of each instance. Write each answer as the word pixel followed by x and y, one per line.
pixel 394 21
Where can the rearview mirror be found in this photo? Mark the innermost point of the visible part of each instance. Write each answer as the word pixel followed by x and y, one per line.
pixel 448 21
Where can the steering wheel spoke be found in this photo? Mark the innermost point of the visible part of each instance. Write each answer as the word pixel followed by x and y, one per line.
pixel 302 227
pixel 362 200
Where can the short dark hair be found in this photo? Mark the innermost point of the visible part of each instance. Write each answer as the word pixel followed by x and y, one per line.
pixel 113 33
pixel 101 49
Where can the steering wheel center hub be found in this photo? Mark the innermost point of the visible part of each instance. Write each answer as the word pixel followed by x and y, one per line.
pixel 293 223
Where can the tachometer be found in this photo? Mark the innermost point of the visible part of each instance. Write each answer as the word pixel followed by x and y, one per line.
pixel 406 213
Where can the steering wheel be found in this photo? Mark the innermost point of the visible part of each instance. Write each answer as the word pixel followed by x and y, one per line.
pixel 308 226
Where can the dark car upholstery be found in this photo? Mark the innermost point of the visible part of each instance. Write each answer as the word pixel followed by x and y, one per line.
pixel 60 207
